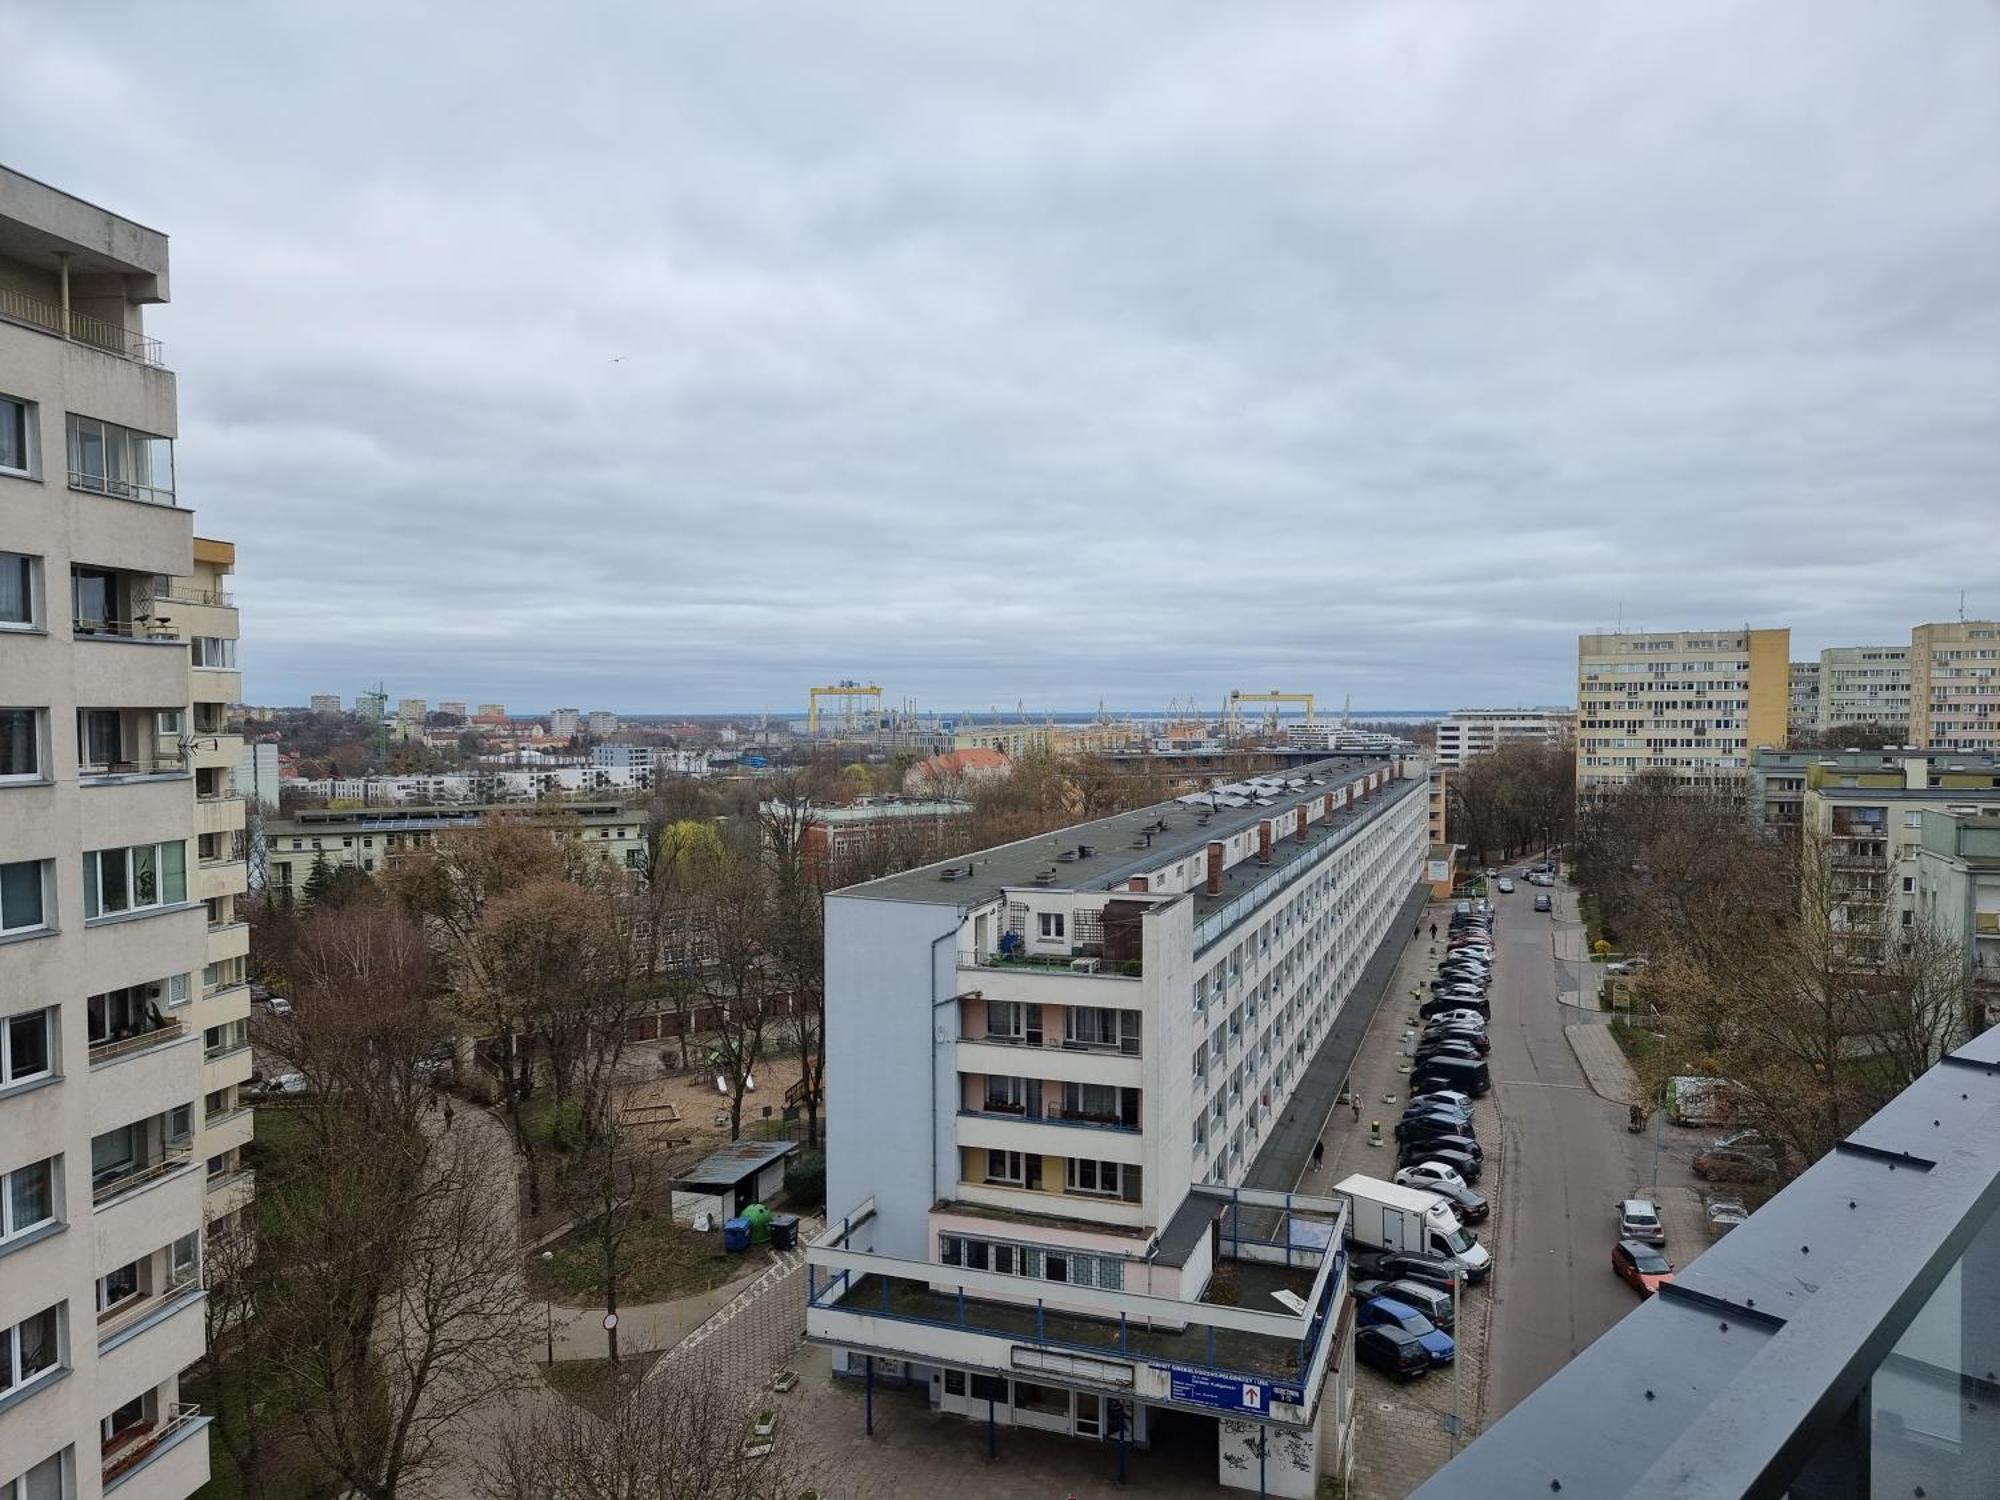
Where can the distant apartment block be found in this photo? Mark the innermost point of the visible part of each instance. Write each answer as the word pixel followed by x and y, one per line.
pixel 601 723
pixel 373 838
pixel 452 707
pixel 1779 778
pixel 563 723
pixel 1690 703
pixel 492 710
pixel 116 663
pixel 1864 685
pixel 1802 715
pixel 373 707
pixel 1102 1044
pixel 1475 731
pixel 1955 685
pixel 1958 893
pixel 256 776
pixel 917 826
pixel 326 703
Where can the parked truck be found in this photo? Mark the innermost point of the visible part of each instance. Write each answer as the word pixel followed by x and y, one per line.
pixel 1383 1216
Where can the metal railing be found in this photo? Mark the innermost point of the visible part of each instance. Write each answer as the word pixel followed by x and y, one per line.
pixel 210 598
pixel 130 630
pixel 176 1156
pixel 82 328
pixel 125 1455
pixel 104 770
pixel 170 1030
pixel 124 489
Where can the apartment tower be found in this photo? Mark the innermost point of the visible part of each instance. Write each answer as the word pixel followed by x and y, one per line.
pixel 1955 685
pixel 1475 731
pixel 1690 703
pixel 104 936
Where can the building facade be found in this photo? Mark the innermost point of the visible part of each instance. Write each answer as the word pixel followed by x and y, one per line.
pixel 563 723
pixel 371 839
pixel 104 937
pixel 1100 1033
pixel 1802 717
pixel 1955 685
pixel 326 703
pixel 1690 703
pixel 1778 778
pixel 1864 685
pixel 1475 731
pixel 1958 893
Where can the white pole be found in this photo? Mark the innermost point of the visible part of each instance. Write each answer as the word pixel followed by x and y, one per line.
pixel 1457 1366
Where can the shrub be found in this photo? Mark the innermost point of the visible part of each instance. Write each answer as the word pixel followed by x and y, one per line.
pixel 805 1178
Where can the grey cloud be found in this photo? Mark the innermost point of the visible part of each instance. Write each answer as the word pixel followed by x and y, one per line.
pixel 1053 352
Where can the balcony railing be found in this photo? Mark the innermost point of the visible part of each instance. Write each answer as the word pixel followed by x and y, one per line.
pixel 1050 1117
pixel 176 1156
pixel 81 328
pixel 224 1048
pixel 151 629
pixel 1053 963
pixel 170 1030
pixel 210 598
pixel 120 770
pixel 134 1446
pixel 116 1320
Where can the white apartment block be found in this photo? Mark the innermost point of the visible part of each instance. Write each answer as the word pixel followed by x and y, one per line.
pixel 601 723
pixel 1054 1065
pixel 1863 685
pixel 1802 711
pixel 109 611
pixel 475 786
pixel 1475 731
pixel 371 839
pixel 1691 703
pixel 326 703
pixel 563 723
pixel 1955 685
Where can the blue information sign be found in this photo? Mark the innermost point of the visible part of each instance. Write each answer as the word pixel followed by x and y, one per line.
pixel 1226 1393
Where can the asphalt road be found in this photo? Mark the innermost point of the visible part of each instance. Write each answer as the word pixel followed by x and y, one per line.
pixel 1569 1159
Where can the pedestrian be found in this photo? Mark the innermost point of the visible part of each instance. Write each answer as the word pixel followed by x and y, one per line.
pixel 1434 932
pixel 447 1114
pixel 1319 1154
pixel 1356 1102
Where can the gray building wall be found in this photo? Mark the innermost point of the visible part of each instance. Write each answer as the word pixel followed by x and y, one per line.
pixel 890 1105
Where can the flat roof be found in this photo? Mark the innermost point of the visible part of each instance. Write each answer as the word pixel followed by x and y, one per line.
pixel 734 1162
pixel 1176 830
pixel 39 222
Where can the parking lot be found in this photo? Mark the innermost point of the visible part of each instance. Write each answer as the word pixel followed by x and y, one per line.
pixel 1558 1158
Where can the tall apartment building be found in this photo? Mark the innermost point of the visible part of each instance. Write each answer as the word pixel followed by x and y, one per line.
pixel 371 706
pixel 563 723
pixel 602 722
pixel 1057 1068
pixel 492 711
pixel 1692 703
pixel 1864 685
pixel 104 936
pixel 1802 716
pixel 1474 731
pixel 1955 685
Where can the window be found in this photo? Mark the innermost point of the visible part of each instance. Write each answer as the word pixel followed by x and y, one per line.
pixel 1007 1095
pixel 27 1198
pixel 1093 1176
pixel 107 459
pixel 43 1482
pixel 28 1350
pixel 214 651
pixel 100 739
pixel 119 1286
pixel 1005 1166
pixel 27 1047
pixel 1006 1018
pixel 167 723
pixel 20 744
pixel 134 879
pixel 20 598
pixel 1052 924
pixel 23 906
pixel 16 435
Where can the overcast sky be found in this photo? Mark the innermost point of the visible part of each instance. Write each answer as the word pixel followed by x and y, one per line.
pixel 682 356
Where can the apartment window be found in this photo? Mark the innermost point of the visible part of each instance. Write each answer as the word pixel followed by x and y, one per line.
pixel 23 896
pixel 107 459
pixel 122 1420
pixel 167 723
pixel 214 651
pixel 1086 1176
pixel 1909 884
pixel 1101 1026
pixel 43 1482
pixel 28 1350
pixel 1052 924
pixel 27 1047
pixel 134 879
pixel 27 1198
pixel 20 594
pixel 1007 1095
pixel 1091 1101
pixel 183 1259
pixel 118 1287
pixel 1006 1019
pixel 1005 1166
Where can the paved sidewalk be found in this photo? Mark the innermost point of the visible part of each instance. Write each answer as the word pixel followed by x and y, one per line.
pixel 1597 1051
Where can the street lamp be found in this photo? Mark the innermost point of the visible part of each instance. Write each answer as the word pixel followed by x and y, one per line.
pixel 549 1310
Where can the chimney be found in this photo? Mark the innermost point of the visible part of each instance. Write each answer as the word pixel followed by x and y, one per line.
pixel 1299 823
pixel 1215 869
pixel 1264 842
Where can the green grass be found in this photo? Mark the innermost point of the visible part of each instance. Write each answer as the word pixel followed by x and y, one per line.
pixel 273 1152
pixel 1643 1049
pixel 663 1261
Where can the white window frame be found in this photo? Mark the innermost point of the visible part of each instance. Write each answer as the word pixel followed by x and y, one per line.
pixel 36 597
pixel 51 1049
pixel 138 1268
pixel 93 879
pixel 47 923
pixel 8 1228
pixel 17 1487
pixel 10 1354
pixel 1015 1008
pixel 222 647
pixel 30 467
pixel 38 737
pixel 1051 924
pixel 1014 1159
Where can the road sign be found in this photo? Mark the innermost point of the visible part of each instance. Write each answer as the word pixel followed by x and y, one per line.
pixel 610 1321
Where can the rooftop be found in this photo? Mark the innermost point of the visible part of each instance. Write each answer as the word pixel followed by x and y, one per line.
pixel 734 1162
pixel 321 819
pixel 1164 832
pixel 38 223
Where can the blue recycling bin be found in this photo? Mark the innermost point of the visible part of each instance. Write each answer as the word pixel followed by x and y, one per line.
pixel 735 1235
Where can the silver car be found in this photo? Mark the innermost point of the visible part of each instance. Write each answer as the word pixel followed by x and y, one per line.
pixel 1640 1220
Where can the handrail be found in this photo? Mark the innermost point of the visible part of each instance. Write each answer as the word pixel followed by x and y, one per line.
pixel 19 307
pixel 121 1461
pixel 209 598
pixel 170 1160
pixel 168 1030
pixel 133 630
pixel 94 770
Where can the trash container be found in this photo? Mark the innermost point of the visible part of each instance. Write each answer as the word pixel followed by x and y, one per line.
pixel 784 1231
pixel 758 1217
pixel 735 1235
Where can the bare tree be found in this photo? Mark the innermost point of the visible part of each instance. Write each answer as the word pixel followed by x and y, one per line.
pixel 738 983
pixel 672 1438
pixel 609 1186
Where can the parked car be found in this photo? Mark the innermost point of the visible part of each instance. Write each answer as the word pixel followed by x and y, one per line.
pixel 1429 1125
pixel 1427 1174
pixel 1626 965
pixel 277 1005
pixel 1727 1164
pixel 280 1084
pixel 1452 1073
pixel 1464 1015
pixel 1642 1265
pixel 1471 1036
pixel 1419 1109
pixel 1472 1208
pixel 1463 909
pixel 1460 1138
pixel 1446 1096
pixel 1411 1265
pixel 1504 886
pixel 1399 1355
pixel 1468 1167
pixel 1724 1214
pixel 1428 1051
pixel 1428 1300
pixel 1639 1220
pixel 1386 1312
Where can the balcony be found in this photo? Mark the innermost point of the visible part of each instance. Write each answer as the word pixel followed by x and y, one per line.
pixel 163 1450
pixel 111 1049
pixel 1054 963
pixel 128 1317
pixel 106 1189
pixel 78 328
pixel 156 629
pixel 158 765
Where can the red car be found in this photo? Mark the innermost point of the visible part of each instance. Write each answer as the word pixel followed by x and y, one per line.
pixel 1642 1265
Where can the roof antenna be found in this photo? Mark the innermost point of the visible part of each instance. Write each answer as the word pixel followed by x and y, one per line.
pixel 1961 606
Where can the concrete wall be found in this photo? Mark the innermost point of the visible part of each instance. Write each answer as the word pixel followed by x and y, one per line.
pixel 890 1083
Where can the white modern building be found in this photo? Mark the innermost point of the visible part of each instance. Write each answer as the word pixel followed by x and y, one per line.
pixel 601 722
pixel 1864 685
pixel 1059 1077
pixel 1802 707
pixel 1474 731
pixel 108 813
